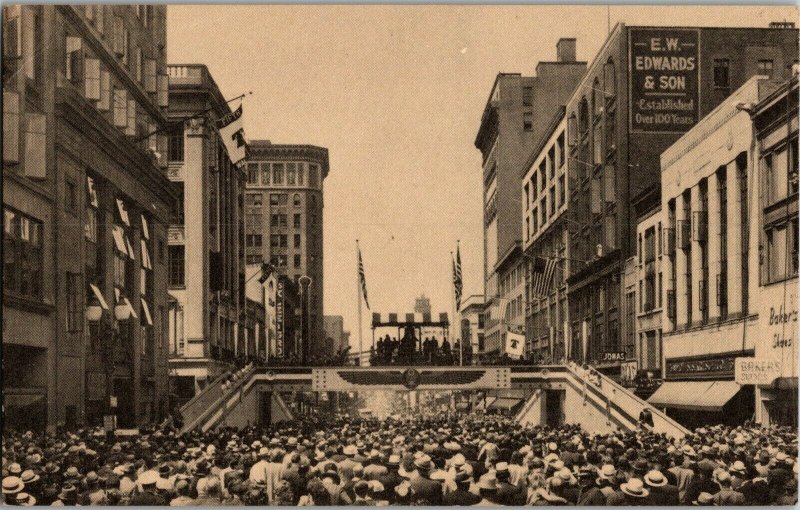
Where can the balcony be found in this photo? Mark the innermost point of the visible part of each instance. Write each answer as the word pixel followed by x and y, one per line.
pixel 194 74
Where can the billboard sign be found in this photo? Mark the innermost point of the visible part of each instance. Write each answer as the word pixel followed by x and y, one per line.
pixel 664 79
pixel 758 371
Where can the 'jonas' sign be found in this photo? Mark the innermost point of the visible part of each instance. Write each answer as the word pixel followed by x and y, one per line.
pixel 664 79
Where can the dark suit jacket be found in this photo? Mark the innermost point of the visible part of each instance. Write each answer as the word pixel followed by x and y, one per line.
pixel 667 495
pixel 427 489
pixel 460 497
pixel 509 495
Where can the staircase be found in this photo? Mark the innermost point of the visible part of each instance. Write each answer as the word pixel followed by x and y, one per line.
pixel 209 399
pixel 621 404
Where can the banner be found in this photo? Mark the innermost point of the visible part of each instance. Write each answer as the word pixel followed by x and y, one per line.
pixel 279 319
pixel 664 79
pixel 515 345
pixel 231 130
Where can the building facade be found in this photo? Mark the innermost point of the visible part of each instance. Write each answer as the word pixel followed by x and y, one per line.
pixel 545 192
pixel 86 206
pixel 206 266
pixel 283 226
pixel 472 323
pixel 710 283
pixel 629 107
pixel 776 118
pixel 335 333
pixel 514 119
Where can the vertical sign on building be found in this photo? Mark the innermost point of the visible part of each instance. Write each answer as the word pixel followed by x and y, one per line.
pixel 664 79
pixel 279 320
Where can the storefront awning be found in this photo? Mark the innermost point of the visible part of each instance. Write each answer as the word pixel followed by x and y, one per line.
pixel 504 403
pixel 695 395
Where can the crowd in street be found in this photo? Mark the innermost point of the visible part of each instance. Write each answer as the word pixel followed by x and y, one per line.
pixel 426 460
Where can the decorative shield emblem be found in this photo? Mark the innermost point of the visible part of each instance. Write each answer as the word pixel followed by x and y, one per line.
pixel 411 378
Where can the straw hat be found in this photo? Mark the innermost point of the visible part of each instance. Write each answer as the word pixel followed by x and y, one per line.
pixel 635 488
pixel 12 485
pixel 655 478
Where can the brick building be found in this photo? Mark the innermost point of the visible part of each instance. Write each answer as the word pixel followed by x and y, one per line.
pixel 644 88
pixel 283 226
pixel 516 115
pixel 86 207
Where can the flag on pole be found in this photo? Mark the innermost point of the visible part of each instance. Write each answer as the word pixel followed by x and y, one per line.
pixel 231 130
pixel 498 309
pixel 362 279
pixel 543 269
pixel 458 283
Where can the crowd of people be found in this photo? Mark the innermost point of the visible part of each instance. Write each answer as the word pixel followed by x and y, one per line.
pixel 411 351
pixel 425 460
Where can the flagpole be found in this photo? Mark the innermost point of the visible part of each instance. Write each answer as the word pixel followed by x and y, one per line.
pixel 358 296
pixel 453 303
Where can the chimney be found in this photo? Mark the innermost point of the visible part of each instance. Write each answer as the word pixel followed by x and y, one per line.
pixel 565 50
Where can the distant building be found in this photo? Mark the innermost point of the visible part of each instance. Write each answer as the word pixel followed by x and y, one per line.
pixel 517 113
pixel 472 324
pixel 621 117
pixel 334 330
pixel 86 207
pixel 206 260
pixel 283 226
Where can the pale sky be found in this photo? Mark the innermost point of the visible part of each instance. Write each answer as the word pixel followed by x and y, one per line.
pixel 396 94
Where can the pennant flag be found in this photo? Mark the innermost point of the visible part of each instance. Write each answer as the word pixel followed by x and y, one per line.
pixel 515 344
pixel 231 130
pixel 362 279
pixel 543 270
pixel 458 283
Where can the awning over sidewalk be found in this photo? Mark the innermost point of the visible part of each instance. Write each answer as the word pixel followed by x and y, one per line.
pixel 695 395
pixel 504 403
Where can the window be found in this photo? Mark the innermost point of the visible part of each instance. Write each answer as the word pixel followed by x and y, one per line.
pixel 297 240
pixel 297 200
pixel 254 199
pixel 527 96
pixel 313 176
pixel 527 121
pixel 297 260
pixel 277 173
pixel 22 254
pixel 265 174
pixel 296 221
pixel 765 67
pixel 253 240
pixel 70 196
pixel 177 216
pixel 175 144
pixel 74 303
pixel 562 190
pixel 782 251
pixel 291 174
pixel 560 149
pixel 301 170
pixel 254 258
pixel 610 81
pixel 252 173
pixel 722 73
pixel 177 265
pixel 597 99
pixel 583 117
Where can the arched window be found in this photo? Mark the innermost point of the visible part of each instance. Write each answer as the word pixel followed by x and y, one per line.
pixel 572 129
pixel 583 116
pixel 597 98
pixel 297 199
pixel 610 80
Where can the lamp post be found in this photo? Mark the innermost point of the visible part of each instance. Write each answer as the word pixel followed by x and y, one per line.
pixel 305 282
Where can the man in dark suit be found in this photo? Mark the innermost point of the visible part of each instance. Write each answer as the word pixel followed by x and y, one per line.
pixel 662 493
pixel 461 496
pixel 507 494
pixel 148 496
pixel 423 486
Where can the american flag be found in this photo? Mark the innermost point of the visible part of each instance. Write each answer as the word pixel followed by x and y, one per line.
pixel 458 283
pixel 543 270
pixel 362 279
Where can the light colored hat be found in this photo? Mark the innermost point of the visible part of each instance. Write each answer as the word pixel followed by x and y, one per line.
pixel 634 488
pixel 501 467
pixel 723 476
pixel 565 474
pixel 25 499
pixel 738 467
pixel 704 499
pixel 350 450
pixel 552 446
pixel 655 478
pixel 12 485
pixel 458 459
pixel 28 476
pixel 488 482
pixel 148 478
pixel 607 472
pixel 263 452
